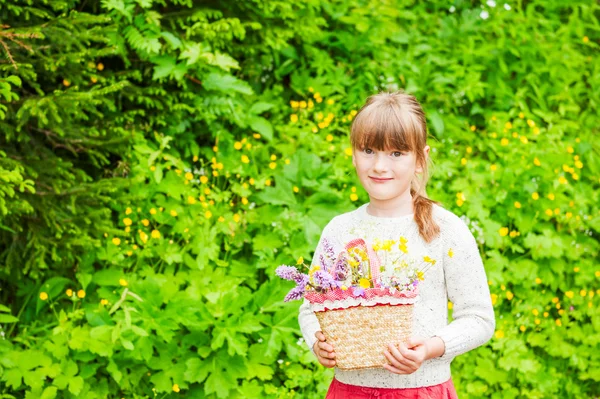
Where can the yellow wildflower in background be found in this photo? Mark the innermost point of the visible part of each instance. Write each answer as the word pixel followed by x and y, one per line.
pixel 123 282
pixel 81 294
pixel 300 261
pixel 69 292
pixel 116 241
pixel 43 296
pixel 127 222
pixel 176 388
pixel 503 231
pixel 155 233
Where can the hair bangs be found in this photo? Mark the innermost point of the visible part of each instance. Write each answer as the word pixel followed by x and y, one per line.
pixel 379 126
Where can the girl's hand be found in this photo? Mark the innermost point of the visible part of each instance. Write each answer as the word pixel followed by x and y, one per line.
pixel 406 359
pixel 324 351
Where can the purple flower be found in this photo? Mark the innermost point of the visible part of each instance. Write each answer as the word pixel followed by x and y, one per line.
pixel 288 273
pixel 324 280
pixel 328 248
pixel 298 291
pixel 340 269
pixel 358 291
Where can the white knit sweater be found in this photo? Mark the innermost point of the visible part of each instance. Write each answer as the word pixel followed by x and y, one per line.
pixel 459 278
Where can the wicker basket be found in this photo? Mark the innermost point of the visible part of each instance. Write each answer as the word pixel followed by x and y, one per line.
pixel 360 334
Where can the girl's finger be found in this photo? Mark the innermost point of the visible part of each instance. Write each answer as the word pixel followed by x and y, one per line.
pixel 327 355
pixel 326 346
pixel 400 357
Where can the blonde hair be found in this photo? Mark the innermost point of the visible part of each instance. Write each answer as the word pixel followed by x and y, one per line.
pixel 396 120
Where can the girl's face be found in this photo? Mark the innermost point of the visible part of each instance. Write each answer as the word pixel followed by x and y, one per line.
pixel 386 175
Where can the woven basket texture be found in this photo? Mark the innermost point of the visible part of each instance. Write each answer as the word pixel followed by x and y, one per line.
pixel 360 334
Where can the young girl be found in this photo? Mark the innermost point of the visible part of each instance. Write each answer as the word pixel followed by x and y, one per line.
pixel 391 157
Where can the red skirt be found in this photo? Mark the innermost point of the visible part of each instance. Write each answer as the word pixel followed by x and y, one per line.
pixel 339 390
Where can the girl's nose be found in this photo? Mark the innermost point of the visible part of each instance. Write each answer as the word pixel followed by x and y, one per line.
pixel 380 163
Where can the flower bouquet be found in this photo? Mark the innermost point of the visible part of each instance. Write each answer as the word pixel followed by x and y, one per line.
pixel 363 297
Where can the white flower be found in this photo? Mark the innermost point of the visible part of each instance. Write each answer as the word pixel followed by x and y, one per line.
pixel 452 9
pixel 484 15
pixel 491 3
pixel 506 7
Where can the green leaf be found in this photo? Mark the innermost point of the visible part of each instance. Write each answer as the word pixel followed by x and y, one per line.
pixel 76 385
pixel 49 393
pixel 196 370
pixel 6 318
pixel 226 84
pixel 262 126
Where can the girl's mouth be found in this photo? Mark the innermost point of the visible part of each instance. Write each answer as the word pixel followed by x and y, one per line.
pixel 379 180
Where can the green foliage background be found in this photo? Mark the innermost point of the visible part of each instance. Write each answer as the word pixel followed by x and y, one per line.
pixel 159 159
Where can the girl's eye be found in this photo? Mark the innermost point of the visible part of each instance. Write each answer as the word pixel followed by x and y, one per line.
pixel 367 151
pixel 398 153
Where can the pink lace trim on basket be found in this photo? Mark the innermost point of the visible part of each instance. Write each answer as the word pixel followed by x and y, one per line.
pixel 340 299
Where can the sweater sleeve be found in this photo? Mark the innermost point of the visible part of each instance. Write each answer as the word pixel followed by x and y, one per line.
pixel 309 324
pixel 473 321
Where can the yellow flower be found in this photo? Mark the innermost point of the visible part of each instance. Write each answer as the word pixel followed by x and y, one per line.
pixel 503 231
pixel 420 275
pixel 191 200
pixel 530 123
pixel 499 334
pixel 570 150
pixel 509 295
pixel 538 280
pixel 583 292
pixel 329 137
pixel 364 283
pixel 521 115
pixel 508 125
pixel 43 296
pixel 208 214
pixel 81 294
pixel 303 104
pixel 493 167
pixel 203 179
pixel 348 151
pixel 558 322
pixel 153 211
pixel 517 204
pixel 522 328
pixel 127 222
pixel 272 165
pixel 494 298
pixel 221 219
pixel 524 140
pixel 173 212
pixel 296 189
pixel 586 39
pixel 403 248
pixel 463 161
pixel 245 159
pixel 294 118
pixel 176 388
pixel 123 282
pixel 353 197
pixel 450 252
pixel 569 294
pixel 537 321
pixel 294 104
pixel 69 292
pixel 535 312
pixel 450 305
pixel 244 200
pixel 104 302
pixel 300 261
pixel 344 288
pixel 143 237
pixel 330 102
pixel 155 233
pixel 116 241
pixel 128 211
pixel 549 212
pixel 236 218
pixel 535 196
pixel 536 161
